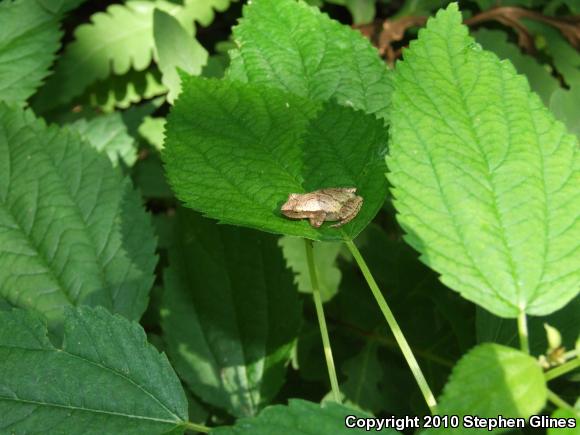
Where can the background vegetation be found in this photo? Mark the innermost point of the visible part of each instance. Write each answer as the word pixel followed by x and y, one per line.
pixel 118 119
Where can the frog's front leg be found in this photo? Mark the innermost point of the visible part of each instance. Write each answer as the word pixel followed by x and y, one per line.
pixel 349 211
pixel 317 220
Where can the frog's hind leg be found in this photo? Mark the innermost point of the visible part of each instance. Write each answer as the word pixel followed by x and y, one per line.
pixel 316 221
pixel 349 211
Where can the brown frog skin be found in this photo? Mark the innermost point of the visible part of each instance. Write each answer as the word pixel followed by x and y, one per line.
pixel 330 204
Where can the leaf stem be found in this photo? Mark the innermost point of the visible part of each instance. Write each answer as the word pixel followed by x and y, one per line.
pixel 562 370
pixel 558 401
pixel 196 427
pixel 322 321
pixel 395 328
pixel 523 332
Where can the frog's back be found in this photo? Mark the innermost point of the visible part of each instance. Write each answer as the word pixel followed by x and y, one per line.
pixel 318 202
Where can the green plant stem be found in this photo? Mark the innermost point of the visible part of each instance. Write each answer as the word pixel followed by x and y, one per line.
pixel 322 321
pixel 523 332
pixel 562 370
pixel 558 401
pixel 196 427
pixel 407 352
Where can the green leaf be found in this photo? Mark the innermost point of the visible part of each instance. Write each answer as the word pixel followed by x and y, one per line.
pixel 325 255
pixel 541 80
pixel 231 313
pixel 235 151
pixel 29 39
pixel 176 49
pixel 364 375
pixel 104 379
pixel 293 46
pixel 298 418
pixel 485 180
pixel 72 229
pixel 98 52
pixel 564 106
pixel 493 380
pixel 108 134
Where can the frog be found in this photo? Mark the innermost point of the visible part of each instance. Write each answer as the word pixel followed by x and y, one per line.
pixel 329 204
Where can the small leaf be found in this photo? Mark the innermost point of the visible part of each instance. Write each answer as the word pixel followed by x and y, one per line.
pixel 105 378
pixel 492 380
pixel 486 182
pixel 553 336
pixel 294 47
pixel 29 39
pixel 231 313
pixel 235 151
pixel 176 49
pixel 73 230
pixel 325 255
pixel 298 418
pixel 108 134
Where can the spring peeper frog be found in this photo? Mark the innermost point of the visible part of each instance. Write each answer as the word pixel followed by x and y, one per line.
pixel 331 204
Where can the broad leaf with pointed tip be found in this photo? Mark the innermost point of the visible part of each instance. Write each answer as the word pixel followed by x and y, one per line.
pixel 235 151
pixel 105 378
pixel 72 229
pixel 486 181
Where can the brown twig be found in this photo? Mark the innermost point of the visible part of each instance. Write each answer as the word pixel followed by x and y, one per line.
pixel 391 31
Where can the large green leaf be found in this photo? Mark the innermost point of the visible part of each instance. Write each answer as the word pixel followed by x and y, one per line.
pixel 298 418
pixel 105 379
pixel 108 134
pixel 293 46
pixel 493 380
pixel 231 313
pixel 29 38
pixel 176 50
pixel 486 182
pixel 235 151
pixel 72 229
